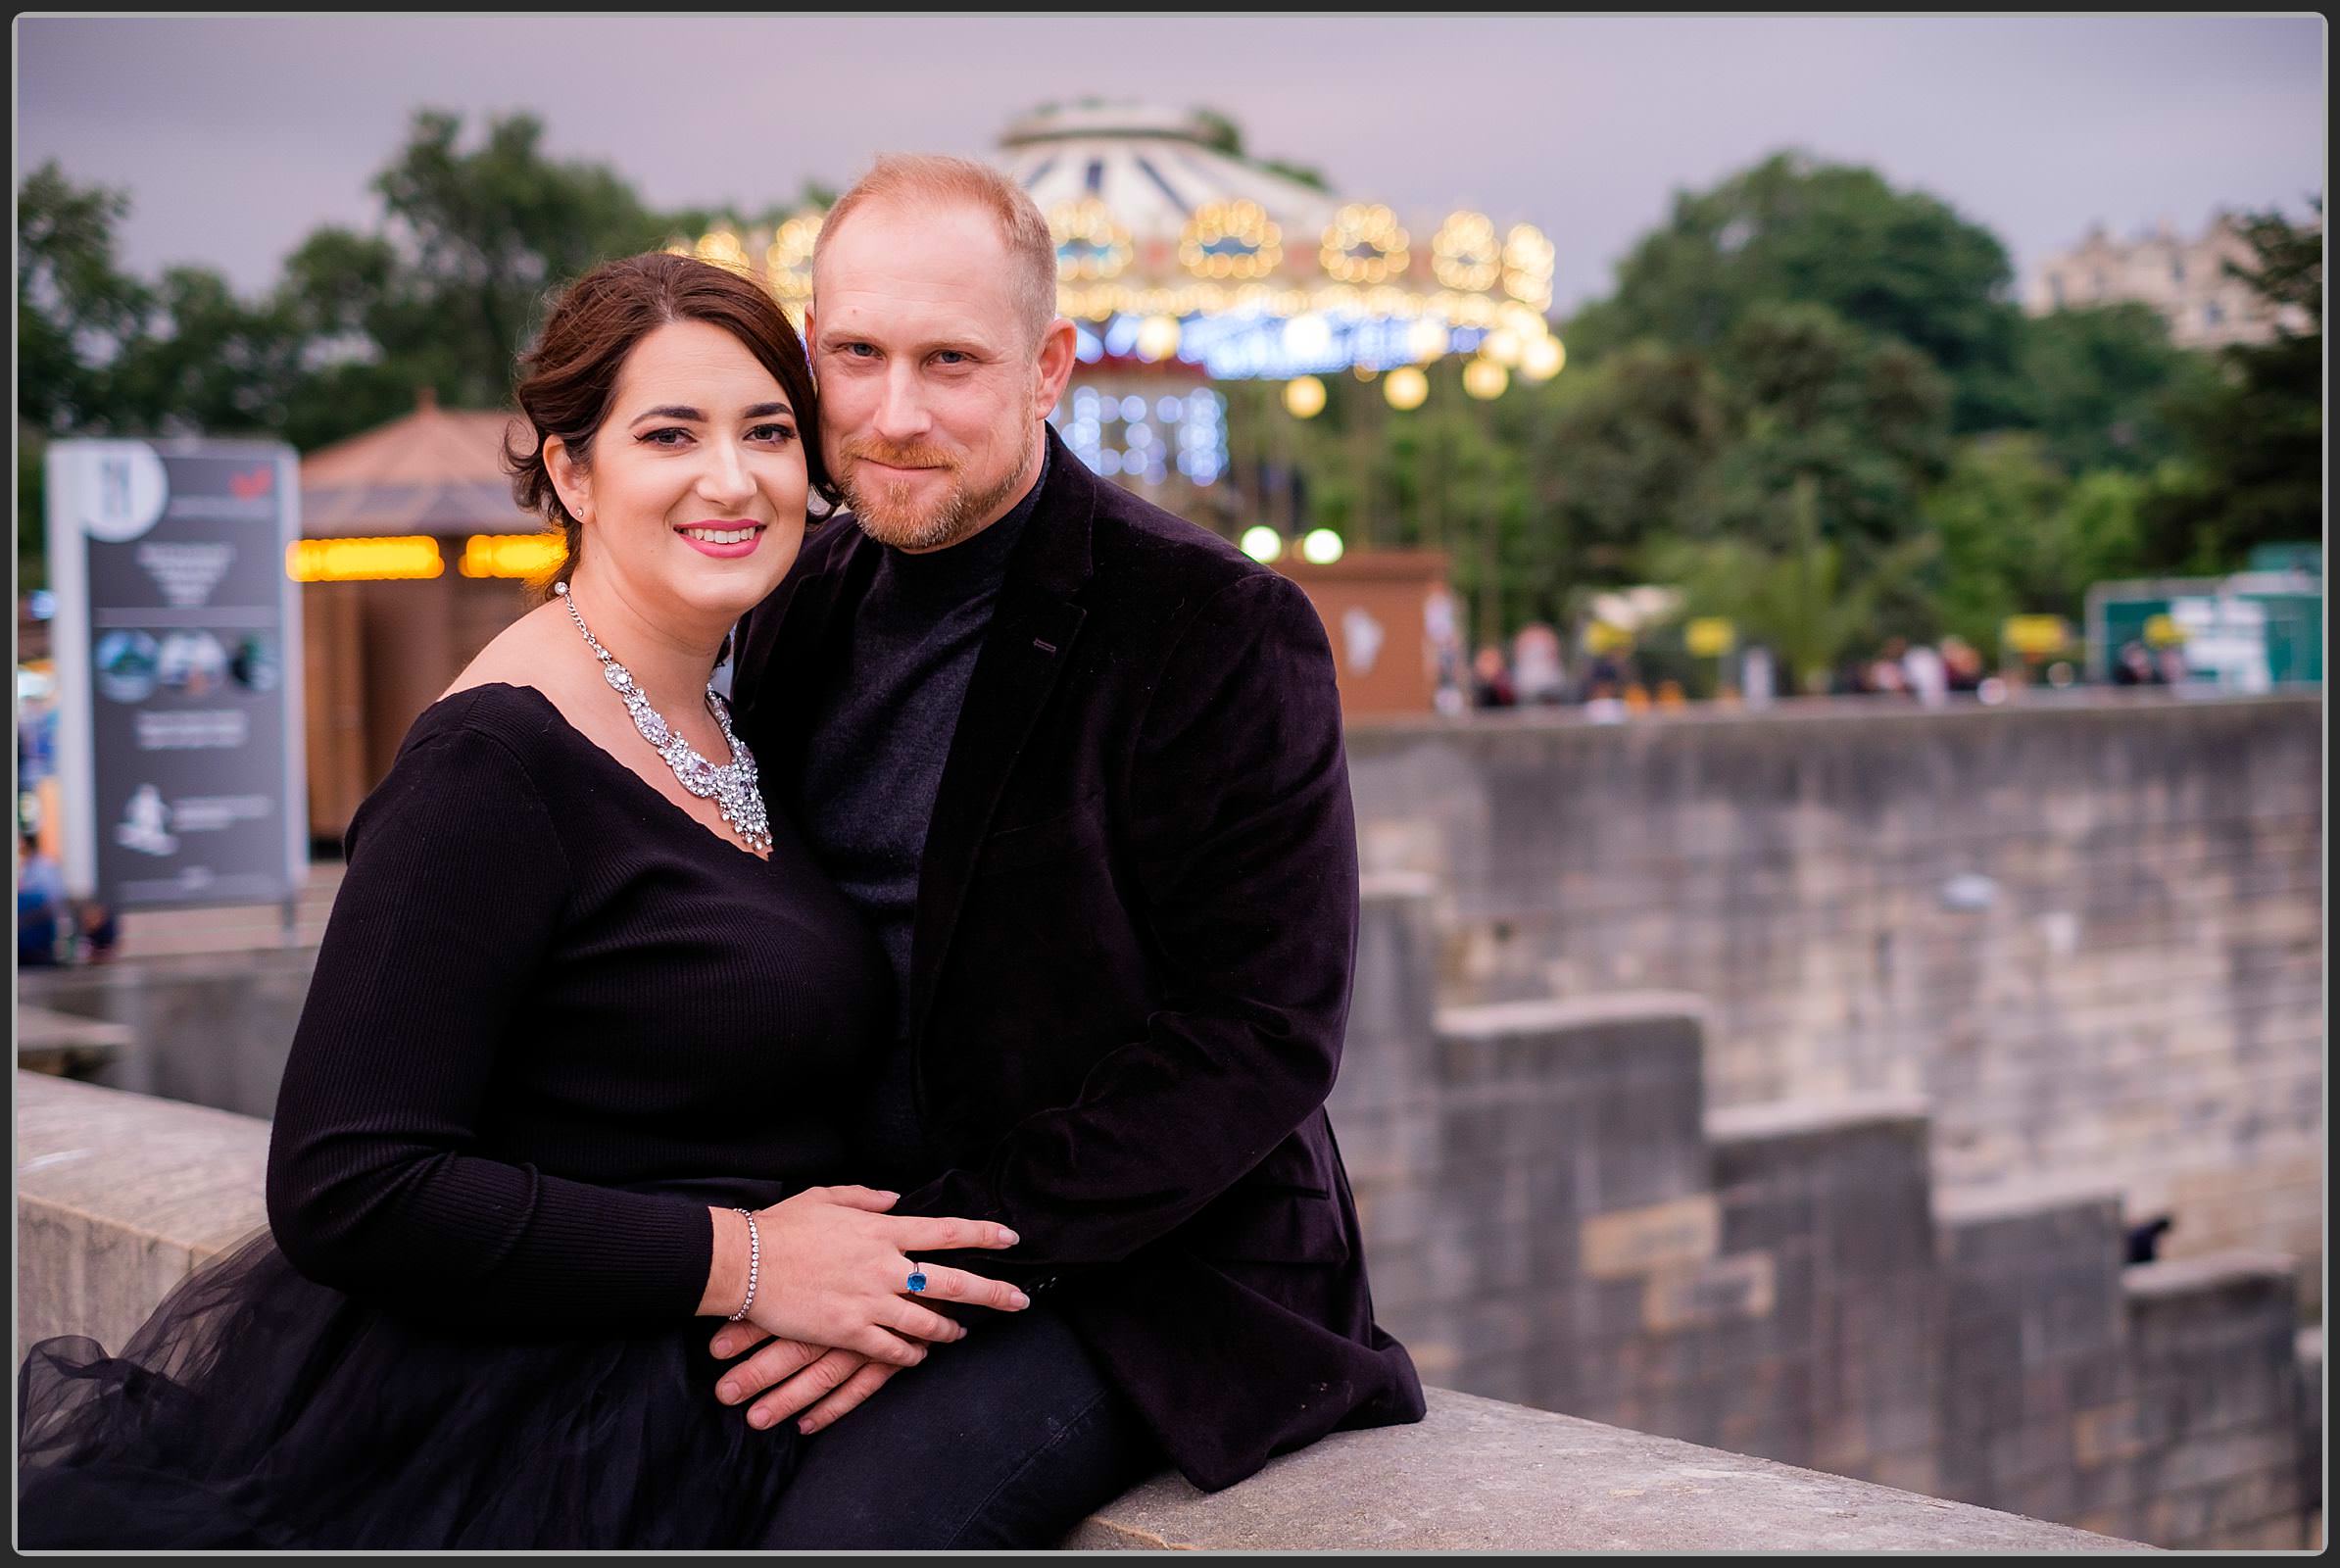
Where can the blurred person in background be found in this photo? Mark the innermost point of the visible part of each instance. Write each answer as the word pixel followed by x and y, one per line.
pixel 41 905
pixel 1962 664
pixel 1490 681
pixel 1927 677
pixel 1536 674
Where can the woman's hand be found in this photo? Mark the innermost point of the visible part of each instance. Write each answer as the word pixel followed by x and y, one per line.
pixel 834 1265
pixel 821 1382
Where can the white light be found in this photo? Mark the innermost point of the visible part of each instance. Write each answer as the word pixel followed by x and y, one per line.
pixel 1169 410
pixel 1320 547
pixel 1305 337
pixel 1157 339
pixel 1133 408
pixel 1263 543
pixel 1108 463
pixel 1426 339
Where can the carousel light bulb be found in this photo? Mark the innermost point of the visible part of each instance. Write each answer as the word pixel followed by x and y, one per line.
pixel 1157 337
pixel 1427 338
pixel 1320 547
pixel 1542 360
pixel 1484 378
pixel 1263 543
pixel 1304 397
pixel 1306 337
pixel 1502 346
pixel 1405 387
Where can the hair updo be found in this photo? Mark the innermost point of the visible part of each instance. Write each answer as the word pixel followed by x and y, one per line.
pixel 569 374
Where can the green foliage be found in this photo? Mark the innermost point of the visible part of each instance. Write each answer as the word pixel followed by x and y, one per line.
pixel 2100 384
pixel 2251 454
pixel 1220 132
pixel 1795 230
pixel 2019 537
pixel 74 306
pixel 481 235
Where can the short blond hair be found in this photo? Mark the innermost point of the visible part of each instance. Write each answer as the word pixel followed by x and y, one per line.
pixel 933 177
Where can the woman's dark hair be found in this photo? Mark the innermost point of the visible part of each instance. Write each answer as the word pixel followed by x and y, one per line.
pixel 569 373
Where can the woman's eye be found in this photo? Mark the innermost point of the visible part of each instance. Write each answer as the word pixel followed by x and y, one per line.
pixel 658 437
pixel 772 432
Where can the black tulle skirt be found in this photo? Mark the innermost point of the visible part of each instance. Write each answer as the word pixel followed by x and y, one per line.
pixel 257 1409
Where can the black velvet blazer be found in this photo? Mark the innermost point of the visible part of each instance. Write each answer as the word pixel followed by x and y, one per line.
pixel 1131 960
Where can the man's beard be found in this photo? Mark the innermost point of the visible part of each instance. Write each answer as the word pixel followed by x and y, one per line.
pixel 887 515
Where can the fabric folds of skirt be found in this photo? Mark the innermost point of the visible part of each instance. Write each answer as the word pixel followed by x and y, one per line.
pixel 259 1409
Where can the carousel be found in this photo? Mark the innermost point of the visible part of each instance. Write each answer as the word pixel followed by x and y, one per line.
pixel 1186 265
pixel 1182 265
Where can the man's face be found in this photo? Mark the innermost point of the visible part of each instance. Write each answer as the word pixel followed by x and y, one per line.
pixel 932 389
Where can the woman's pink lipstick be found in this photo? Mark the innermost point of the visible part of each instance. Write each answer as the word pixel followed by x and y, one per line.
pixel 733 551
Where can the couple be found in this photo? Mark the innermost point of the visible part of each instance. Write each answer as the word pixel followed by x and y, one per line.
pixel 887 1114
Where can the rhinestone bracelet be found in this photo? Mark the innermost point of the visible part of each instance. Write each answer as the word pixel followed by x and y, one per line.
pixel 752 1251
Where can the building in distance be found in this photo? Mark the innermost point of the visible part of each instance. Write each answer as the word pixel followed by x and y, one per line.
pixel 2185 279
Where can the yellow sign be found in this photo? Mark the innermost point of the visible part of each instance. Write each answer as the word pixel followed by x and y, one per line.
pixel 2163 633
pixel 1603 637
pixel 1708 636
pixel 2035 634
pixel 363 560
pixel 511 554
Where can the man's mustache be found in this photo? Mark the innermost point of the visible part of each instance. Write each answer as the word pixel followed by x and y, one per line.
pixel 897 457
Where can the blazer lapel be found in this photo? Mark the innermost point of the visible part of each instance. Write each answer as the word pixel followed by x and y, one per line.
pixel 1023 656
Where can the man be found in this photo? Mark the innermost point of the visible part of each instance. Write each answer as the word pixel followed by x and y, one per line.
pixel 1080 763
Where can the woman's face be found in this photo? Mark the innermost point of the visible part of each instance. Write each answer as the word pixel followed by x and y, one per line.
pixel 693 504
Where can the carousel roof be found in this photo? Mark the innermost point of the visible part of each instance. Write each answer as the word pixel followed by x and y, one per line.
pixel 1171 248
pixel 1152 170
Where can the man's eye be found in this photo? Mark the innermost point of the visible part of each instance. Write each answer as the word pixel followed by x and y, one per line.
pixel 859 350
pixel 952 357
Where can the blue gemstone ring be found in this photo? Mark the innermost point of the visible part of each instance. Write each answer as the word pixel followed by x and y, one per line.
pixel 917 1278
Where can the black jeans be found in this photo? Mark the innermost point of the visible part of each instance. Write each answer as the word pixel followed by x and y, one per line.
pixel 1003 1441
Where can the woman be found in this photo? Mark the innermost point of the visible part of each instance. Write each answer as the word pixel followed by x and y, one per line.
pixel 576 1061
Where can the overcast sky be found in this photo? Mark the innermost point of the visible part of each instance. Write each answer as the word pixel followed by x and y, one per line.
pixel 235 137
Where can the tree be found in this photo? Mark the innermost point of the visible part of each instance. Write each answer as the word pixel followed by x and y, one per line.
pixel 75 308
pixel 1803 597
pixel 1795 230
pixel 2251 468
pixel 2020 536
pixel 2100 383
pixel 479 236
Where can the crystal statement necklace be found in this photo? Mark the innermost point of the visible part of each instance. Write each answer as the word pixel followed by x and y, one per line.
pixel 733 787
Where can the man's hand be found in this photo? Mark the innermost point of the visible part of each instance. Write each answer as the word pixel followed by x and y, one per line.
pixel 821 1382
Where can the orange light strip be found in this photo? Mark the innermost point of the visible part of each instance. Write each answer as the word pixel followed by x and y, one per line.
pixel 511 554
pixel 413 556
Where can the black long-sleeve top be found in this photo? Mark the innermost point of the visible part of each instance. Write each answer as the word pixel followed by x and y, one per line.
pixel 553 1017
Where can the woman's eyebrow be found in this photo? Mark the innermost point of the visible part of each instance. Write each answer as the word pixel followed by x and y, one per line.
pixel 670 410
pixel 764 410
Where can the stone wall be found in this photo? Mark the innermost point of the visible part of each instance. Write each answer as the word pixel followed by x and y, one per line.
pixel 2089 933
pixel 119 1195
pixel 1553 1216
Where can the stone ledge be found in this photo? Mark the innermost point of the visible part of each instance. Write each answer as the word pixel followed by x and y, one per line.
pixel 1495 1019
pixel 1803 1118
pixel 121 1195
pixel 2022 1198
pixel 2184 1276
pixel 61 1043
pixel 1396 885
pixel 1481 1475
